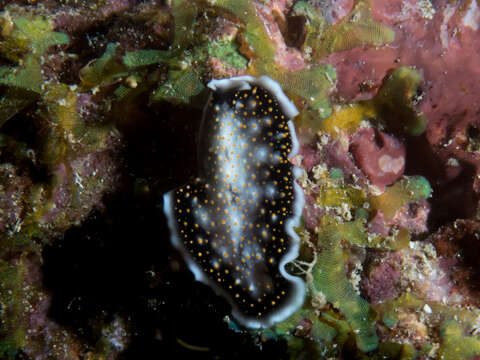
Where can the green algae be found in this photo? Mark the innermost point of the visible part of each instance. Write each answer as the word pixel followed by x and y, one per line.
pixel 288 326
pixel 356 233
pixel 64 134
pixel 325 272
pixel 393 107
pixel 321 332
pixel 12 101
pixel 181 86
pixel 397 99
pixel 183 66
pixel 12 331
pixel 35 33
pixel 330 278
pixel 67 128
pixel 105 69
pixel 139 58
pixel 189 53
pixel 26 39
pixel 345 119
pixel 185 18
pixel 315 25
pixel 312 84
pixel 257 41
pixel 457 343
pixel 394 351
pixel 407 190
pixel 343 328
pixel 228 52
pixel 338 196
pixel 456 325
pixel 55 112
pixel 27 76
pixel 335 192
pixel 357 29
pixel 350 217
pixel 183 79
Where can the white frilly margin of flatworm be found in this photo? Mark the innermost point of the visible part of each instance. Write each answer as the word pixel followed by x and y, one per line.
pixel 297 296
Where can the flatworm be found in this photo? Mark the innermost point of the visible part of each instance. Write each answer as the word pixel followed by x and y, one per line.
pixel 234 222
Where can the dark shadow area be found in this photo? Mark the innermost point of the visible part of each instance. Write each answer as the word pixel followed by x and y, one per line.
pixel 458 245
pixel 120 260
pixel 161 144
pixel 468 257
pixel 456 198
pixel 88 43
pixel 451 199
pixel 22 146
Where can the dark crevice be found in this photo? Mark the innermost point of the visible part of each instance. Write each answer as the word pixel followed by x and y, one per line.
pixel 451 199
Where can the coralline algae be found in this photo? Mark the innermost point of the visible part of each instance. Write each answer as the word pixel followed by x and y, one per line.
pixel 234 223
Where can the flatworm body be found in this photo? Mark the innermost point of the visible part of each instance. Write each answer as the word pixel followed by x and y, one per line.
pixel 234 223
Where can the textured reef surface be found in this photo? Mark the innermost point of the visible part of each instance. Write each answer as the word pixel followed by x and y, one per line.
pixel 101 104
